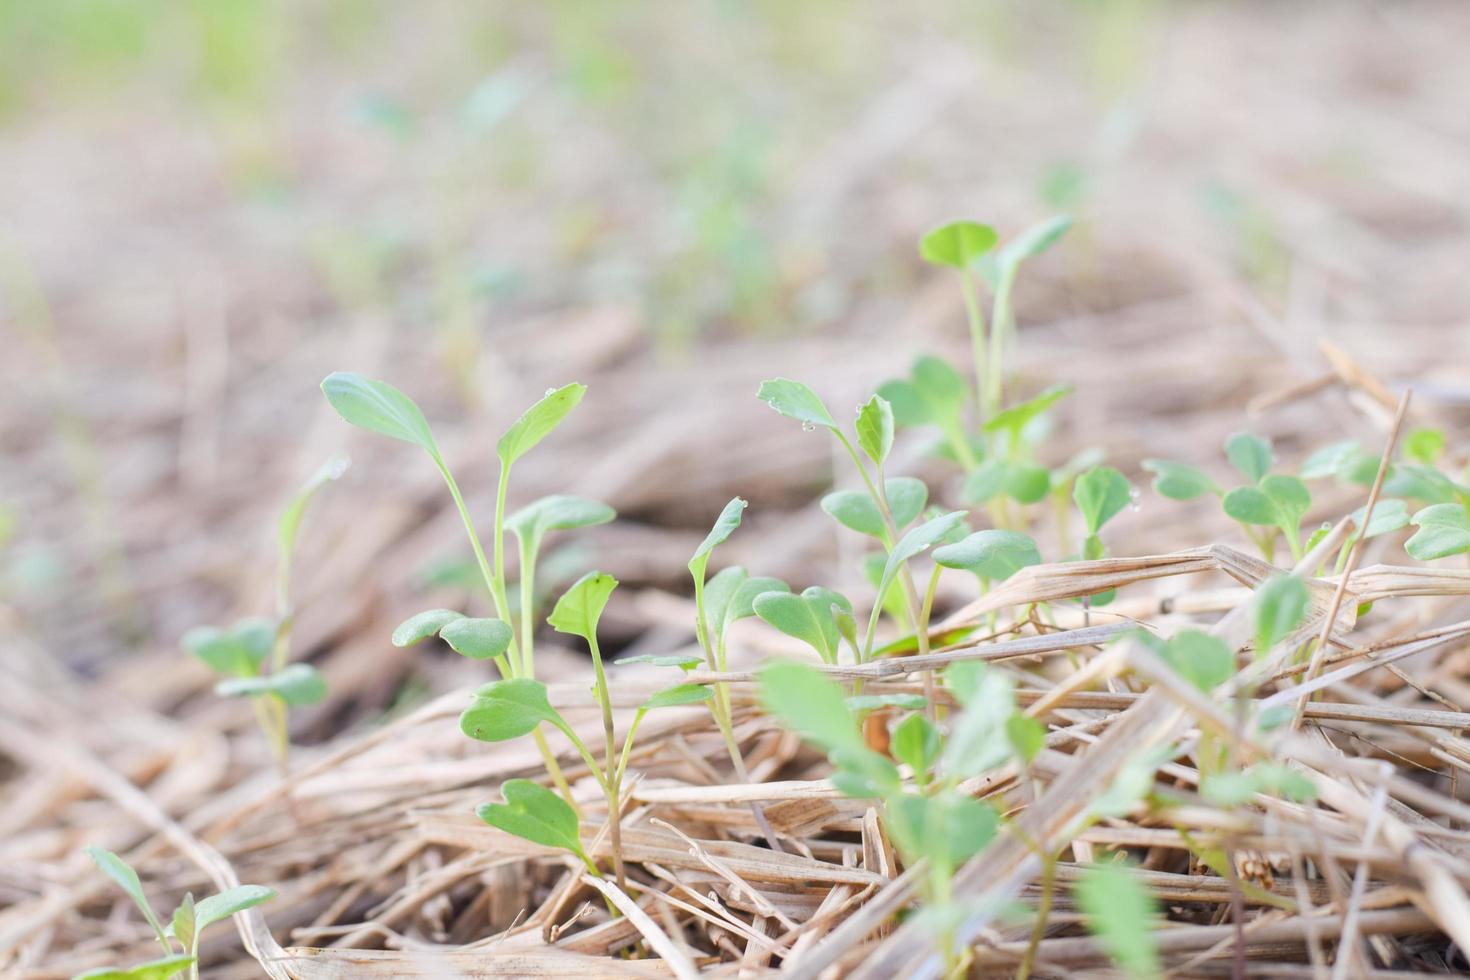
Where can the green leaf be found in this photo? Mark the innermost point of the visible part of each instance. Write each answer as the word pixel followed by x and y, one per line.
pixel 875 429
pixel 679 694
pixel 978 740
pixel 1100 493
pixel 509 709
pixel 1251 506
pixel 1281 605
pixel 719 592
pixel 934 393
pixel 1179 481
pixel 295 684
pixel 864 774
pixel 801 699
pixel 947 828
pixel 537 422
pixel 217 908
pixel 182 924
pixel 421 626
pixel 992 554
pixel 579 609
pixel 958 244
pixel 1388 515
pixel 1026 483
pixel 909 407
pixel 795 401
pixel 1227 788
pixel 1290 496
pixel 289 521
pixel 985 481
pixel 724 526
pixel 1418 483
pixel 856 511
pixel 220 651
pixel 916 743
pixel 1250 455
pixel 1444 530
pixel 1284 781
pixel 1134 782
pixel 742 604
pixel 478 639
pixel 1034 240
pixel 684 661
pixel 808 617
pixel 558 512
pixel 906 499
pixel 1424 445
pixel 1120 913
pixel 1203 660
pixel 379 407
pixel 872 702
pixel 159 969
pixel 125 878
pixel 1026 735
pixel 534 813
pixel 1330 460
pixel 1017 417
pixel 916 541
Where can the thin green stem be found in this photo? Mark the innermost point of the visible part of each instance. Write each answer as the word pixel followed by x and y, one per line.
pixel 610 786
pixel 977 338
pixel 502 603
pixel 501 663
pixel 528 602
pixel 1000 324
pixel 553 769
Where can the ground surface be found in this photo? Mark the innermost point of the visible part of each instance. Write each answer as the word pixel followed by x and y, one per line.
pixel 670 207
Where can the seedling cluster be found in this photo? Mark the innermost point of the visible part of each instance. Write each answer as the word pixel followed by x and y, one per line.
pixel 918 754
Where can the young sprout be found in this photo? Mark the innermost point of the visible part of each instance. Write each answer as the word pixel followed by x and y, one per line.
pixel 186 924
pixel 930 820
pixel 961 245
pixel 1273 501
pixel 577 613
pixel 379 407
pixel 935 394
pixel 797 401
pixel 253 656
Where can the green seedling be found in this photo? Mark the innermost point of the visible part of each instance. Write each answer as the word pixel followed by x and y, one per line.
pixel 923 808
pixel 883 516
pixel 185 926
pixel 1268 505
pixel 379 407
pixel 518 706
pixel 253 656
pixel 969 249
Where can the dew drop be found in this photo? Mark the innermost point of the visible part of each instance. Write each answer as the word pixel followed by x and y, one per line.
pixel 808 427
pixel 1133 496
pixel 551 391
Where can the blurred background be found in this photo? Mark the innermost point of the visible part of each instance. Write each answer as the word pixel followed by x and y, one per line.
pixel 210 204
